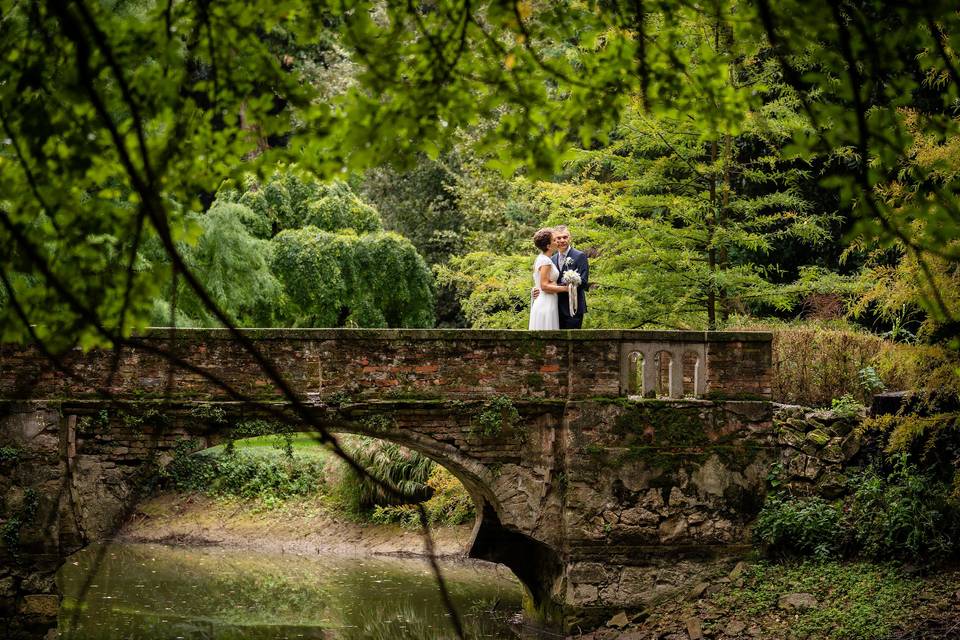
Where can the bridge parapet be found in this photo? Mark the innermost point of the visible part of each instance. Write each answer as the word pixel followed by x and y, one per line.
pixel 324 364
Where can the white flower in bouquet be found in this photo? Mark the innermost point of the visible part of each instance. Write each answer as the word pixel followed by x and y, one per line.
pixel 571 277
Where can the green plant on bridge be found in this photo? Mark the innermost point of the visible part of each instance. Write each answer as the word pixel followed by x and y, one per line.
pixel 150 415
pixel 210 413
pixel 9 454
pixel 498 415
pixel 378 423
pixel 23 515
pixel 93 423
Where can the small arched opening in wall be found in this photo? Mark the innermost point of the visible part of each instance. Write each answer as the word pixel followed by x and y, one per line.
pixel 692 373
pixel 635 380
pixel 663 364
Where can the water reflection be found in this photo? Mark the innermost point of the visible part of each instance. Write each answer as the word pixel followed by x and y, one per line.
pixel 151 592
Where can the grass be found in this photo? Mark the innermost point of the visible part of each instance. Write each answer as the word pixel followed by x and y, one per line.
pixel 302 443
pixel 857 600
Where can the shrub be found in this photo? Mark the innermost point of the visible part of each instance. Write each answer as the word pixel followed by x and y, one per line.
pixel 406 470
pixel 906 514
pixel 449 505
pixel 498 414
pixel 814 363
pixel 268 479
pixel 802 526
pixel 846 406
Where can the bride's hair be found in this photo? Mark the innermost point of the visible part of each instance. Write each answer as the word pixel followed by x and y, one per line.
pixel 542 238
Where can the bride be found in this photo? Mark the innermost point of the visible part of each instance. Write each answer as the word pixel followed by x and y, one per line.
pixel 543 312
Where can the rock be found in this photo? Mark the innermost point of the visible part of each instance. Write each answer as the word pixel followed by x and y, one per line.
pixel 673 528
pixel 798 424
pixel 591 572
pixel 754 631
pixel 796 466
pixel 832 485
pixel 850 445
pixel 813 468
pixel 619 621
pixel 585 593
pixel 713 478
pixel 789 437
pixel 698 590
pixel 45 605
pixel 694 629
pixel 785 411
pixel 638 516
pixel 738 570
pixel 823 416
pixel 842 427
pixel 734 628
pixel 833 452
pixel 7 587
pixel 819 437
pixel 797 601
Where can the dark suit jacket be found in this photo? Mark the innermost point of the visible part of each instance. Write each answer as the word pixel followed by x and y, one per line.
pixel 581 264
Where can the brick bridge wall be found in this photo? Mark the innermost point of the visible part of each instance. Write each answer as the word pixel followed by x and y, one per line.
pixel 581 497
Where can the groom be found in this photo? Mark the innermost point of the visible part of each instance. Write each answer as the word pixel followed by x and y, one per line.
pixel 567 258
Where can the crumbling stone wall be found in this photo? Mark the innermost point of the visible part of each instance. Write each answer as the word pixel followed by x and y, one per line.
pixel 814 448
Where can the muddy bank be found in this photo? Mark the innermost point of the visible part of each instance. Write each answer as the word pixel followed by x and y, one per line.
pixel 304 528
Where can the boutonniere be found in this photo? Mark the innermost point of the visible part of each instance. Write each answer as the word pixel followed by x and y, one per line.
pixel 568 262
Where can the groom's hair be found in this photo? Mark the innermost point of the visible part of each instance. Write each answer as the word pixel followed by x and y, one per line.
pixel 562 227
pixel 542 238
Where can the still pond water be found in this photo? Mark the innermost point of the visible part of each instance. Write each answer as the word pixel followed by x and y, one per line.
pixel 153 592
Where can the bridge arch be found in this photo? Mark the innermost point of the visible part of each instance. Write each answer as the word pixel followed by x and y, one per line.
pixel 507 490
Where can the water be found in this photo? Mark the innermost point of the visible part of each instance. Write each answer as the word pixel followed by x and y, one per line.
pixel 154 592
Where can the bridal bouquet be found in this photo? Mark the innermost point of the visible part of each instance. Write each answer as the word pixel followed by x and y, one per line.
pixel 572 279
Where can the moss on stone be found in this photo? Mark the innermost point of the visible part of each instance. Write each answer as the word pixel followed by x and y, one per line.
pixel 534 380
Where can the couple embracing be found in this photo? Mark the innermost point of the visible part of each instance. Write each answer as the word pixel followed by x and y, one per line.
pixel 560 280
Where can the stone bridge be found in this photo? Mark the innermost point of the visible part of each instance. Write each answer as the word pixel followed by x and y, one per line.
pixel 598 460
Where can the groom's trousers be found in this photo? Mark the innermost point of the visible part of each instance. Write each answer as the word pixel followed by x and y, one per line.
pixel 571 322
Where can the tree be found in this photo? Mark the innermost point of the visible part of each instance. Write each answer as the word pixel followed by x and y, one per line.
pixel 328 251
pixel 341 279
pixel 113 114
pixel 234 266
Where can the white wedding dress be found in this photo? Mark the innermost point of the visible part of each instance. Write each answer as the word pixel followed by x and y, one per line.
pixel 544 312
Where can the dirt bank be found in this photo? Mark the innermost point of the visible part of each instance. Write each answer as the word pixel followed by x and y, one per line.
pixel 302 528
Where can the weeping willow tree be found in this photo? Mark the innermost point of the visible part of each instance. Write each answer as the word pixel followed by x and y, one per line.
pixel 295 251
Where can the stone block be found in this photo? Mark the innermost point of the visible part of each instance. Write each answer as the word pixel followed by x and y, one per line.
pixel 638 516
pixel 850 445
pixel 594 572
pixel 789 437
pixel 818 437
pixel 44 605
pixel 673 529
pixel 584 594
